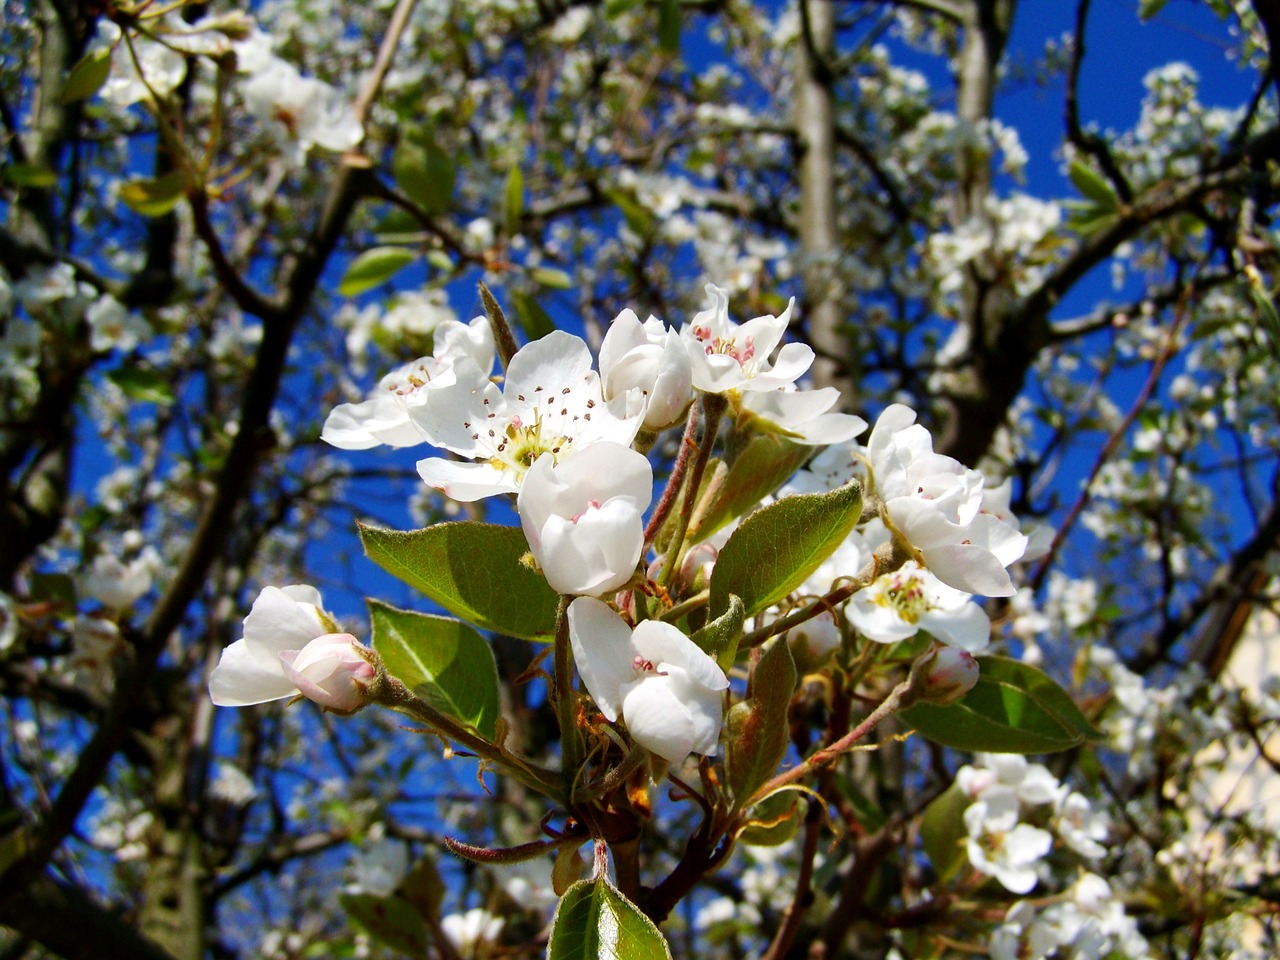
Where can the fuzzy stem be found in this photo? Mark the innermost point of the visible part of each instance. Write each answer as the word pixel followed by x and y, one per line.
pixel 389 692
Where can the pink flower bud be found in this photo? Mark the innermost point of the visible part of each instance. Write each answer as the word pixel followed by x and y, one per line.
pixel 952 674
pixel 325 671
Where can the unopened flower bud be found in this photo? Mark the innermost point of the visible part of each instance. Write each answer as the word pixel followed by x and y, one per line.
pixel 325 671
pixel 951 675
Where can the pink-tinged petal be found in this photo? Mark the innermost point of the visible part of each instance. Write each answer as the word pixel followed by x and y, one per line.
pixel 970 568
pixel 657 719
pixel 967 627
pixel 603 652
pixel 466 482
pixel 660 643
pixel 595 555
pixel 241 679
pixel 324 671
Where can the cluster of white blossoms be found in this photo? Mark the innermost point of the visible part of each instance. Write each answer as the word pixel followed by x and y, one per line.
pixel 560 435
pixel 150 63
pixel 1005 790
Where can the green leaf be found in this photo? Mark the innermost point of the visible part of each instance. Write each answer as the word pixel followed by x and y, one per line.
pixel 773 820
pixel 443 661
pixel 669 27
pixel 775 549
pixel 533 320
pixel 426 174
pixel 374 267
pixel 762 465
pixel 388 919
pixel 423 889
pixel 55 588
pixel 473 570
pixel 144 385
pixel 1013 708
pixel 29 175
pixel 757 733
pixel 638 218
pixel 513 200
pixel 596 922
pixel 719 638
pixel 1094 186
pixel 555 279
pixel 155 198
pixel 87 77
pixel 942 831
pixel 1149 8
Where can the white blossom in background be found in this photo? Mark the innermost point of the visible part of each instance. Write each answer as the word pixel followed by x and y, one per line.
pixel 302 111
pixel 117 585
pixel 583 517
pixel 383 417
pixel 8 621
pixel 1083 923
pixel 1081 827
pixel 551 403
pixel 113 327
pixel 1000 846
pixel 668 692
pixel 813 642
pixel 935 503
pixel 231 785
pixel 468 931
pixel 290 646
pixel 379 866
pixel 652 359
pixel 142 68
pixel 727 356
pixel 413 316
pixel 898 605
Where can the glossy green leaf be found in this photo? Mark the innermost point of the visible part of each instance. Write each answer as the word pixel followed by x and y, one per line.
pixel 1013 708
pixel 423 888
pixel 155 198
pixel 473 570
pixel 374 267
pixel 443 661
pixel 775 549
pixel 762 465
pixel 391 920
pixel 1149 8
pixel 426 174
pixel 554 279
pixel 942 832
pixel 1094 186
pixel 669 27
pixel 596 922
pixel 719 638
pixel 533 320
pixel 143 384
pixel 757 733
pixel 28 175
pixel 774 820
pixel 87 77
pixel 513 200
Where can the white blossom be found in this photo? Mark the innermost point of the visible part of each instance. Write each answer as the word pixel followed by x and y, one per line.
pixel 727 356
pixel 583 517
pixel 667 691
pixel 551 403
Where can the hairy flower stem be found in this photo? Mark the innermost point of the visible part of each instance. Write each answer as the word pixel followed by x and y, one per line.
pixel 713 407
pixel 688 445
pixel 389 692
pixel 566 703
pixel 616 777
